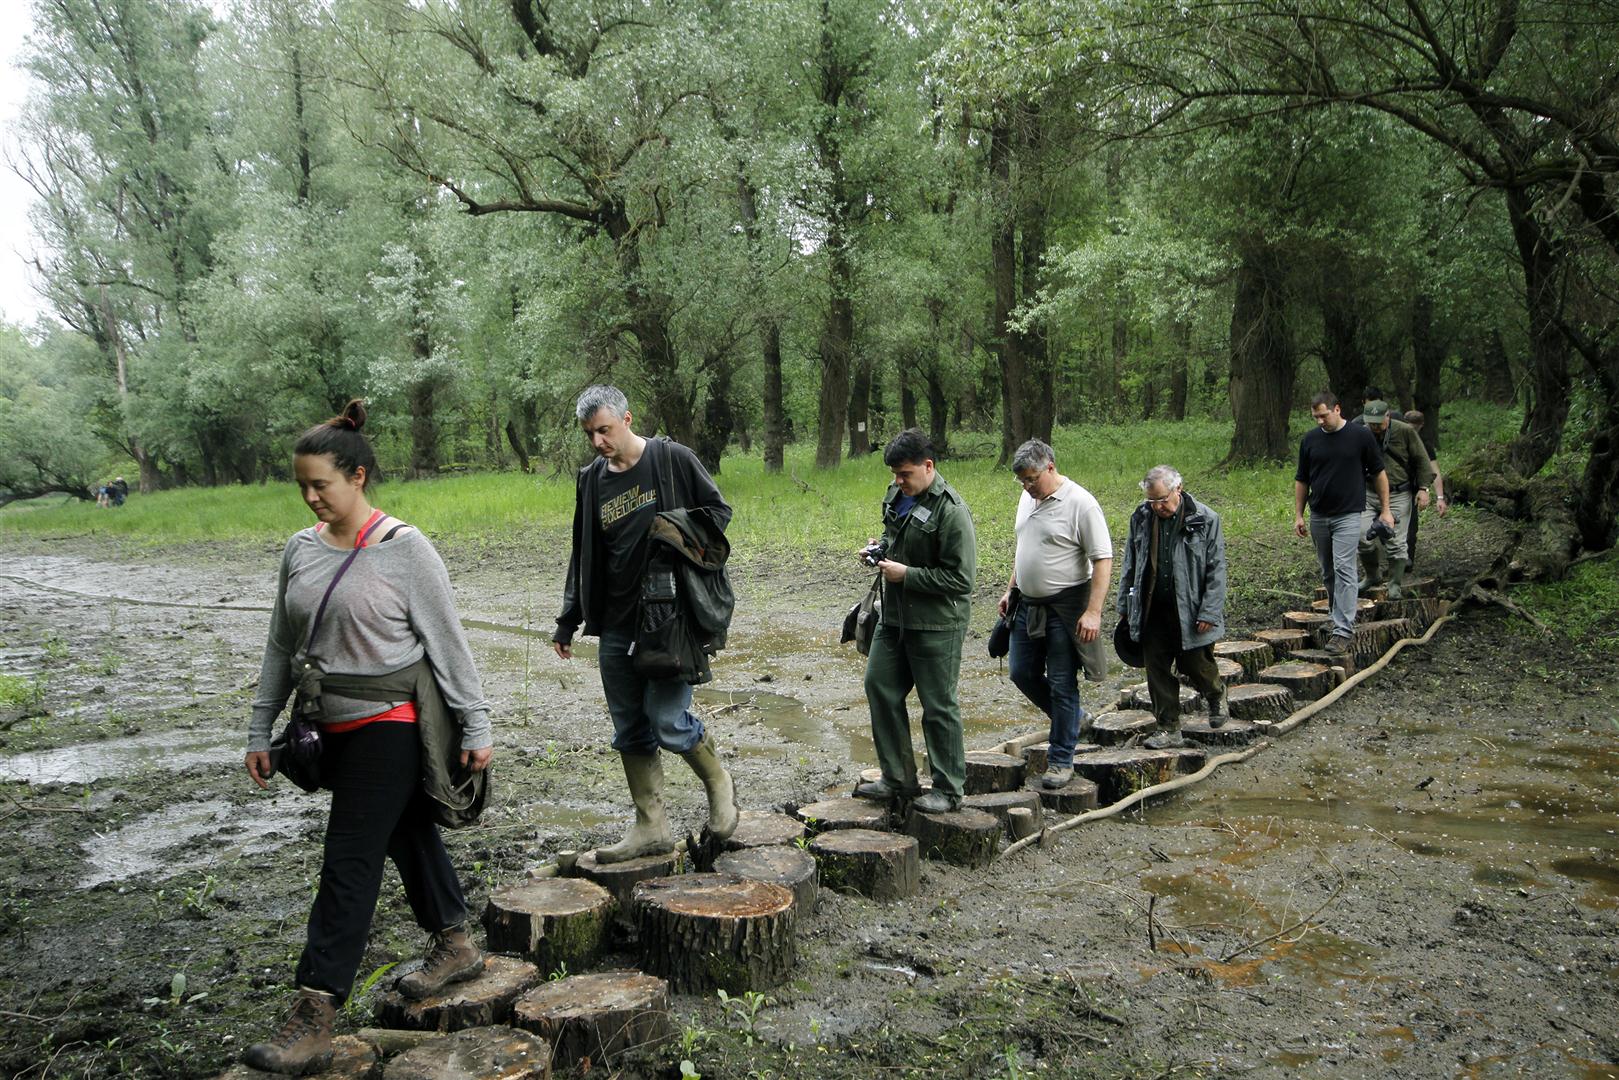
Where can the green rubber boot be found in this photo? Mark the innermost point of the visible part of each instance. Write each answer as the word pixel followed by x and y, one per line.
pixel 722 811
pixel 650 833
pixel 1397 577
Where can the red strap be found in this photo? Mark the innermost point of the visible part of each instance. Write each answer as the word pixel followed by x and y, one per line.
pixel 365 530
pixel 399 714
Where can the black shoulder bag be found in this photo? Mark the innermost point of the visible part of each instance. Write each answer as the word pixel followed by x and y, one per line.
pixel 664 647
pixel 296 751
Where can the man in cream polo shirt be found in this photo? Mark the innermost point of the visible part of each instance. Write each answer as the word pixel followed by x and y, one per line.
pixel 1059 583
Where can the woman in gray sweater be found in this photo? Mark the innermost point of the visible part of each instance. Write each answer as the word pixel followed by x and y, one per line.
pixel 390 613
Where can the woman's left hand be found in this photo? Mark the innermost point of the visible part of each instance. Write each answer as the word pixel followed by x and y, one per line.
pixel 477 760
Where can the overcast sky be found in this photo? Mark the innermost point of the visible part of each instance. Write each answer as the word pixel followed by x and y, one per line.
pixel 18 301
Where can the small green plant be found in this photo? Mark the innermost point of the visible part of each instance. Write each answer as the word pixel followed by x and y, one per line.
pixel 351 1007
pixel 110 663
pixel 745 1010
pixel 197 900
pixel 549 758
pixel 559 974
pixel 20 692
pixel 55 645
pixel 693 1037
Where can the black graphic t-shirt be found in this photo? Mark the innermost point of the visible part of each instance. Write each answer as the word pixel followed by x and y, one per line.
pixel 628 503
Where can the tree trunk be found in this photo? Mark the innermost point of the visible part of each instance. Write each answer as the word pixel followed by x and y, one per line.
pixel 1040 384
pixel 1180 358
pixel 671 406
pixel 1499 385
pixel 1596 512
pixel 1428 355
pixel 1542 432
pixel 1003 276
pixel 1263 365
pixel 775 416
pixel 1347 369
pixel 516 442
pixel 860 408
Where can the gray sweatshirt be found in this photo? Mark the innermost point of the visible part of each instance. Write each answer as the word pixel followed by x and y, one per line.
pixel 392 606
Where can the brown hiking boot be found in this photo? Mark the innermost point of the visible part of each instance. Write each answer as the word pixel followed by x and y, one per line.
pixel 304 1043
pixel 451 958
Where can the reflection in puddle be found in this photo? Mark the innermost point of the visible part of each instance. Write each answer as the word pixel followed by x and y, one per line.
pixel 152 842
pixel 170 751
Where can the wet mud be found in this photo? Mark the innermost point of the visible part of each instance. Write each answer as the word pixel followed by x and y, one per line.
pixel 1424 881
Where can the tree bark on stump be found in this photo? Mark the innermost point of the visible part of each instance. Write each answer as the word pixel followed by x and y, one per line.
pixel 1000 805
pixel 621 878
pixel 878 865
pixel 1036 759
pixel 1342 664
pixel 762 828
pixel 707 932
pixel 480 1001
pixel 789 866
pixel 1304 680
pixel 352 1059
pixel 1117 773
pixel 1313 623
pixel 988 771
pixel 596 1017
pixel 1113 728
pixel 1021 823
pixel 848 813
pixel 1283 642
pixel 475 1054
pixel 1137 698
pixel 961 838
pixel 1251 655
pixel 1074 797
pixel 1259 701
pixel 555 922
pixel 1366 608
pixel 1373 639
pixel 1233 732
pixel 1421 610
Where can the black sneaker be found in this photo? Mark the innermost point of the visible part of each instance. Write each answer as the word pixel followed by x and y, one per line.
pixel 1165 740
pixel 1338 645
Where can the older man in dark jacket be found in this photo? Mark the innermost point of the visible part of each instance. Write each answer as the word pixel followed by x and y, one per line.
pixel 1172 596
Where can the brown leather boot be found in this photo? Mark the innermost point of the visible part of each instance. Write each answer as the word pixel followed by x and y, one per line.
pixel 304 1043
pixel 451 958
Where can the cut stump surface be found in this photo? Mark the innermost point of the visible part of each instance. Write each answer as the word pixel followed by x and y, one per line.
pixel 597 1016
pixel 479 1053
pixel 555 922
pixel 989 771
pixel 850 813
pixel 1002 803
pixel 1113 728
pixel 1306 681
pixel 790 866
pixel 1074 797
pixel 1252 655
pixel 762 828
pixel 478 1002
pixel 1283 642
pixel 1259 701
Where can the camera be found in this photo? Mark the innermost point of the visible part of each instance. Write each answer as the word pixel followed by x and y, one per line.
pixel 1379 531
pixel 875 553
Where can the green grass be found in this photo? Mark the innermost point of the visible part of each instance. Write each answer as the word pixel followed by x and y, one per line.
pixel 19 692
pixel 1583 607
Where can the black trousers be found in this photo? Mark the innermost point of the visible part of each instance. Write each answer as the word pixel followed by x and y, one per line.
pixel 1161 647
pixel 378 810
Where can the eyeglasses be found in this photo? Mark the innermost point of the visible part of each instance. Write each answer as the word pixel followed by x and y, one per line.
pixel 1165 501
pixel 1029 481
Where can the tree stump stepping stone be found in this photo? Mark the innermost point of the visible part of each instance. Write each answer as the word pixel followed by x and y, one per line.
pixel 1252 655
pixel 1233 732
pixel 1259 701
pixel 789 866
pixel 1421 610
pixel 847 813
pixel 480 1001
pixel 1136 697
pixel 762 828
pixel 352 1059
pixel 1074 797
pixel 1343 664
pixel 989 770
pixel 706 932
pixel 963 837
pixel 1365 608
pixel 1313 623
pixel 1036 759
pixel 871 776
pixel 1002 803
pixel 620 879
pixel 1113 728
pixel 556 922
pixel 1306 681
pixel 1375 592
pixel 1229 670
pixel 1283 642
pixel 1118 773
pixel 597 1016
pixel 1022 823
pixel 480 1053
pixel 1373 639
pixel 877 865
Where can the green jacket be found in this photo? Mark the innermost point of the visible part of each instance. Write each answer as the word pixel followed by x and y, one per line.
pixel 937 542
pixel 1404 456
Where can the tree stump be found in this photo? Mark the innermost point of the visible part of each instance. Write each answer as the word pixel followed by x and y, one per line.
pixel 1074 797
pixel 989 771
pixel 1283 642
pixel 555 922
pixel 961 837
pixel 707 932
pixel 1233 732
pixel 1306 681
pixel 1420 586
pixel 1117 773
pixel 1313 623
pixel 352 1059
pixel 1022 823
pixel 1375 592
pixel 621 878
pixel 1002 803
pixel 1229 670
pixel 762 828
pixel 1259 701
pixel 1365 608
pixel 596 1016
pixel 1373 639
pixel 1421 610
pixel 878 865
pixel 480 1001
pixel 475 1054
pixel 1113 728
pixel 1342 664
pixel 789 866
pixel 850 813
pixel 1036 758
pixel 1252 655
pixel 1136 698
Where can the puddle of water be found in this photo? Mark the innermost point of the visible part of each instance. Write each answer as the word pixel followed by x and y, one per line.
pixel 170 751
pixel 1605 876
pixel 148 844
pixel 1502 877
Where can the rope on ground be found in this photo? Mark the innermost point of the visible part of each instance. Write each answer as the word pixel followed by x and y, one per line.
pixel 1293 721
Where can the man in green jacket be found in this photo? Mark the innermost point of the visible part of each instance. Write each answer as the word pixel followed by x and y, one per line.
pixel 928 556
pixel 1410 472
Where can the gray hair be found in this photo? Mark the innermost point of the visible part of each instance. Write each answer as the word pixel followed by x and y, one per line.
pixel 1033 454
pixel 1162 474
pixel 597 398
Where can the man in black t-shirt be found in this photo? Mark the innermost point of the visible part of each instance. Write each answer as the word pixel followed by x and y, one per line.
pixel 618 497
pixel 1338 463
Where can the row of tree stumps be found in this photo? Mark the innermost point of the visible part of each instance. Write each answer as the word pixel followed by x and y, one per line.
pixel 726 916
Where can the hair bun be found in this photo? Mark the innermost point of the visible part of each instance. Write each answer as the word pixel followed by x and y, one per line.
pixel 352 416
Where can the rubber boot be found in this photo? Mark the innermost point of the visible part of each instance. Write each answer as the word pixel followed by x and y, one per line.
pixel 1397 577
pixel 451 958
pixel 650 833
pixel 1371 563
pixel 304 1043
pixel 722 812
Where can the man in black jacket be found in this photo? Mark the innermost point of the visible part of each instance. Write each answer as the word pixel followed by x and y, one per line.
pixel 617 499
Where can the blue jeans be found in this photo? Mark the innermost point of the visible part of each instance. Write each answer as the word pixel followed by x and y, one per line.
pixel 647 713
pixel 1337 545
pixel 1047 671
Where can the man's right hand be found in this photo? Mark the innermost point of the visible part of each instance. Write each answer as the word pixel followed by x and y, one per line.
pixel 564 651
pixel 258 767
pixel 1006 602
pixel 1299 526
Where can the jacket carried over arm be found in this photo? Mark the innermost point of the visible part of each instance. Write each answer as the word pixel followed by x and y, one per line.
pixel 693 490
pixel 937 543
pixel 1200 572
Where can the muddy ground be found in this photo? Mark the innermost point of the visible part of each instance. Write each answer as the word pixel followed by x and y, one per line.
pixel 1424 881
